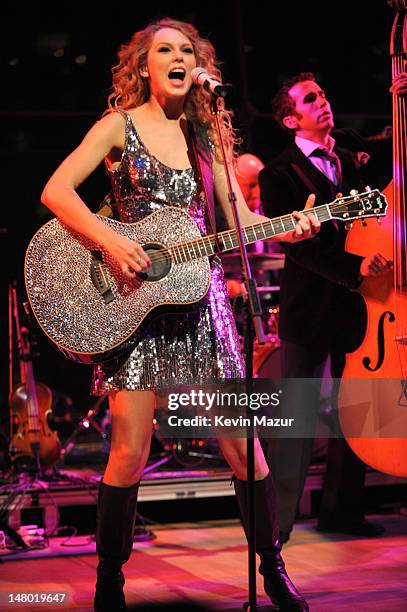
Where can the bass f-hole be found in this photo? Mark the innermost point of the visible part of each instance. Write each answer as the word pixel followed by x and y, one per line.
pixel 380 343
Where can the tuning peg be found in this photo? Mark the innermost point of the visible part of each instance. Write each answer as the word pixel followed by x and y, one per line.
pixel 368 188
pixel 378 220
pixel 353 192
pixel 364 222
pixel 348 225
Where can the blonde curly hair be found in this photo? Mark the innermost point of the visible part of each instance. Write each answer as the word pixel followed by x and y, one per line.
pixel 130 89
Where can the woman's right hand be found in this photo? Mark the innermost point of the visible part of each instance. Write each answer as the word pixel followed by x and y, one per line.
pixel 129 255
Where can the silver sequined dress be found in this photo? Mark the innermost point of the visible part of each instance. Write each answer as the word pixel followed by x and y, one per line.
pixel 183 345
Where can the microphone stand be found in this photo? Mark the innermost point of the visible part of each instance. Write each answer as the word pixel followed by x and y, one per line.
pixel 253 326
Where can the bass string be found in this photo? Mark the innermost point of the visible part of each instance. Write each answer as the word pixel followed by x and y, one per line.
pixel 400 187
pixel 400 221
pixel 399 166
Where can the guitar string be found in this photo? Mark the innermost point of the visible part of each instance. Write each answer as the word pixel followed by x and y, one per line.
pixel 210 240
pixel 231 234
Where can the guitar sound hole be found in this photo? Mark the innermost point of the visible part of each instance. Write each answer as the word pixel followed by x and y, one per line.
pixel 161 263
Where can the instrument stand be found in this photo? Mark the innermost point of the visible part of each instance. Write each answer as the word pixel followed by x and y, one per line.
pixel 85 424
pixel 24 461
pixel 254 326
pixel 13 535
pixel 14 490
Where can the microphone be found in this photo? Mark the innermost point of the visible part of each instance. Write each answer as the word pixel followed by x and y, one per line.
pixel 201 77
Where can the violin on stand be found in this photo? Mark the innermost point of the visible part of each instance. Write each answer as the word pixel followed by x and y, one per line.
pixel 33 445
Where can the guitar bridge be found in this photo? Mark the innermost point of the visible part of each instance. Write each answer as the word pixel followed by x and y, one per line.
pixel 99 278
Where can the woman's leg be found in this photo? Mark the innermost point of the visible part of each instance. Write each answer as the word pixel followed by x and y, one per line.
pixel 131 414
pixel 234 451
pixel 277 584
pixel 132 421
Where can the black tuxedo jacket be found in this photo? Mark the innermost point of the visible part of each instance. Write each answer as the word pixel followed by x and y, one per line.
pixel 317 306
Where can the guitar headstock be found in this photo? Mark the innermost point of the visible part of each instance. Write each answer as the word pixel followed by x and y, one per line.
pixel 359 206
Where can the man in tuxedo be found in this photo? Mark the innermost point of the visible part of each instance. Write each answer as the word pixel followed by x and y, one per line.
pixel 321 318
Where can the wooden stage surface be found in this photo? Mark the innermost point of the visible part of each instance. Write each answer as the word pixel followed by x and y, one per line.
pixel 206 562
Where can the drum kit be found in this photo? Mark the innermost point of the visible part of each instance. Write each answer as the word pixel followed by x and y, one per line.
pixel 266 362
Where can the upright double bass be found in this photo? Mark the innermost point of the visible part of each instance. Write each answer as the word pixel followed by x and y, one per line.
pixel 373 392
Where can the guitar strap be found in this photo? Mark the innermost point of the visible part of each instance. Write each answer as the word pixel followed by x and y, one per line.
pixel 311 187
pixel 307 182
pixel 203 159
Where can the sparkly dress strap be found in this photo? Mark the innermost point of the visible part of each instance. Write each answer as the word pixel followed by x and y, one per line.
pixel 128 124
pixel 203 160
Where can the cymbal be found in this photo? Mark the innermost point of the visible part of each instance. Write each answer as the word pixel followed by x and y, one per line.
pixel 231 262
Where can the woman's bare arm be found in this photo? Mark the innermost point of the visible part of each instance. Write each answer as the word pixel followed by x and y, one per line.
pixel 61 197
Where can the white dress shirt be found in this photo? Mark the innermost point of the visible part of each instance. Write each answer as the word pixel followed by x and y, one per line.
pixel 331 169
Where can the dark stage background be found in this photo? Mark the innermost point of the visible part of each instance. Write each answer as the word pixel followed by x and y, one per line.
pixel 55 72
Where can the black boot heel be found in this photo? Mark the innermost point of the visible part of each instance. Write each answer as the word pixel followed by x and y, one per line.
pixel 277 584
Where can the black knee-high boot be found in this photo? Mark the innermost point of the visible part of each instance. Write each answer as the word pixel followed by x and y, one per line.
pixel 116 516
pixel 277 584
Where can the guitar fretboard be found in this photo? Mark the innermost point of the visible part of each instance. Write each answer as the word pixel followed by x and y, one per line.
pixel 228 240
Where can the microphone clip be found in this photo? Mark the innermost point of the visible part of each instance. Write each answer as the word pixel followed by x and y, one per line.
pixel 219 91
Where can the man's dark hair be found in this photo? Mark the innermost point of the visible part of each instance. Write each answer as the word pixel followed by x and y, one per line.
pixel 282 103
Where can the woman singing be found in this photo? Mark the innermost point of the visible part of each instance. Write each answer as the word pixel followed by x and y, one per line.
pixel 157 125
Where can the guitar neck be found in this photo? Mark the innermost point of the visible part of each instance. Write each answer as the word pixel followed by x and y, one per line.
pixel 228 240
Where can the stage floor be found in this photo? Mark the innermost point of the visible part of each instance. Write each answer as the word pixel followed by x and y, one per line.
pixel 206 562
